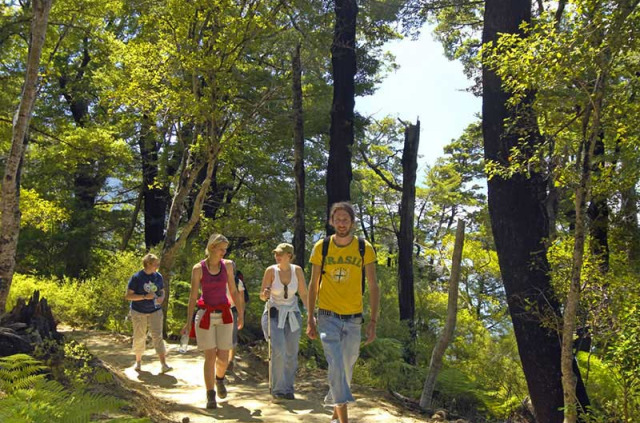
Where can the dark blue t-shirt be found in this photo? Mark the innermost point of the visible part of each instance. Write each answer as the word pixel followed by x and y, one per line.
pixel 141 284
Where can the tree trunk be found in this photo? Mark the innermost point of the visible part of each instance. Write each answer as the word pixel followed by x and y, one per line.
pixel 520 228
pixel 28 324
pixel 155 195
pixel 10 209
pixel 87 182
pixel 406 298
pixel 173 243
pixel 134 220
pixel 452 312
pixel 343 60
pixel 598 212
pixel 631 233
pixel 592 137
pixel 88 177
pixel 298 158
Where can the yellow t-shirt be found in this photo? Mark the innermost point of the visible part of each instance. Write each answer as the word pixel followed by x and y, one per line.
pixel 341 285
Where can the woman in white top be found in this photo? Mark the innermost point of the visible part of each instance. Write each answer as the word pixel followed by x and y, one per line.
pixel 280 284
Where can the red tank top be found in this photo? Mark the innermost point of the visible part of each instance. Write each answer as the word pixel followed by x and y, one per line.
pixel 214 287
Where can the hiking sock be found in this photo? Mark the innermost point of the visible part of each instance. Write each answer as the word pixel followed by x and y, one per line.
pixel 222 390
pixel 211 399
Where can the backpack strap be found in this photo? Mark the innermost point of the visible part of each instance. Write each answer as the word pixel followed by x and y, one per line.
pixel 325 250
pixel 361 249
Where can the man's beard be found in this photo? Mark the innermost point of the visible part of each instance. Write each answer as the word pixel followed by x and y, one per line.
pixel 343 233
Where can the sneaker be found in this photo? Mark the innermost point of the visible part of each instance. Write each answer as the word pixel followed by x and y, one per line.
pixel 289 396
pixel 138 366
pixel 335 421
pixel 211 399
pixel 222 390
pixel 166 368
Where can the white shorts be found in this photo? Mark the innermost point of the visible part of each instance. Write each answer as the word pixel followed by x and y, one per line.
pixel 219 335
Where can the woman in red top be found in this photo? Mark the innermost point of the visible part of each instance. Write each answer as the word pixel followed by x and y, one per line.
pixel 213 323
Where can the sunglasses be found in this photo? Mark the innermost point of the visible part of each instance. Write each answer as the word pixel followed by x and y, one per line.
pixel 286 291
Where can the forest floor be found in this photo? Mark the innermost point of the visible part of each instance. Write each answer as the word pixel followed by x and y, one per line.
pixel 180 393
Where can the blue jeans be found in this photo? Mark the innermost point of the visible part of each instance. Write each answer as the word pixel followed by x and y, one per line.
pixel 284 354
pixel 341 343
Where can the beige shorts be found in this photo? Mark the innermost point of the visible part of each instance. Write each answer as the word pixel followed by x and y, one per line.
pixel 218 335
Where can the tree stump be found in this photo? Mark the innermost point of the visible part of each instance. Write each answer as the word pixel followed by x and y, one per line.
pixel 27 325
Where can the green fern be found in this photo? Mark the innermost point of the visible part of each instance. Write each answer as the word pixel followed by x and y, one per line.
pixel 32 398
pixel 20 371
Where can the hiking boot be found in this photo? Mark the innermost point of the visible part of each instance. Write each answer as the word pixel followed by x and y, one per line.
pixel 137 367
pixel 289 396
pixel 222 390
pixel 211 399
pixel 278 397
pixel 166 368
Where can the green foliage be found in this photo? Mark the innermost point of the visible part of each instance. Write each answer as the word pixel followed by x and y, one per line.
pixel 97 302
pixel 33 398
pixel 19 371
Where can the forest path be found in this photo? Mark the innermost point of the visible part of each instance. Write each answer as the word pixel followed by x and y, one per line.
pixel 183 393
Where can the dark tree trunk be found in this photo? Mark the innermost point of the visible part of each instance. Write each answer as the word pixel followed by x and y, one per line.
pixel 28 324
pixel 298 158
pixel 87 183
pixel 156 195
pixel 132 222
pixel 88 178
pixel 219 193
pixel 343 60
pixel 520 227
pixel 406 296
pixel 598 213
pixel 631 233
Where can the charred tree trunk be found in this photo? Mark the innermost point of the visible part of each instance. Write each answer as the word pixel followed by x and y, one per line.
pixel 406 297
pixel 10 208
pixel 155 193
pixel 298 158
pixel 520 227
pixel 343 60
pixel 27 325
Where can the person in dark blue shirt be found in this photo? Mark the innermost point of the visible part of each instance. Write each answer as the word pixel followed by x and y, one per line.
pixel 146 293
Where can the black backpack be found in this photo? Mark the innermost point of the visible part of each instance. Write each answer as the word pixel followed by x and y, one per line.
pixel 240 277
pixel 325 250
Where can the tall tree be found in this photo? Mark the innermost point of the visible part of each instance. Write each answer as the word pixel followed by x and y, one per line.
pixel 155 193
pixel 343 61
pixel 520 223
pixel 10 220
pixel 406 294
pixel 298 158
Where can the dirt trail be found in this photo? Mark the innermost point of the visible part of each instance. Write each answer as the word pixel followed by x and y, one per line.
pixel 248 399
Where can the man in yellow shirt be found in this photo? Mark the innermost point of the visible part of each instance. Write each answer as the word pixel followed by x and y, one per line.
pixel 337 286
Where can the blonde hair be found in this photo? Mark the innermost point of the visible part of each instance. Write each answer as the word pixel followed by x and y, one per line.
pixel 148 259
pixel 214 240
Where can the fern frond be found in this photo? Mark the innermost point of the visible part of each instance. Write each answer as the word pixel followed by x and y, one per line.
pixel 20 371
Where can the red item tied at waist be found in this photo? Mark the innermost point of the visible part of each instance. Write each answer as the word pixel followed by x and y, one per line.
pixel 205 322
